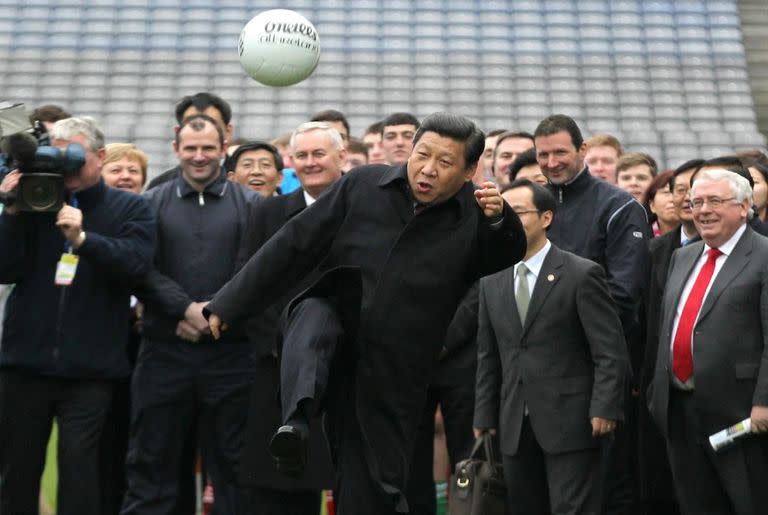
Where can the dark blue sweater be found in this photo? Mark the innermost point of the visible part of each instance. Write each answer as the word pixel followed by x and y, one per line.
pixel 79 330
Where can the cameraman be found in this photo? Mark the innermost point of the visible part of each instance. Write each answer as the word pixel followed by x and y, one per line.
pixel 64 345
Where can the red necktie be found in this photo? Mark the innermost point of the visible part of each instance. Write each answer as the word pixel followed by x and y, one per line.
pixel 682 360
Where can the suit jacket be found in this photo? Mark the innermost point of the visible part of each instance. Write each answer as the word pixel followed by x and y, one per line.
pixel 414 272
pixel 567 363
pixel 730 355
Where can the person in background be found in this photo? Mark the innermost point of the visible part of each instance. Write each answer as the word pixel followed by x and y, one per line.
pixel 655 488
pixel 66 334
pixel 290 181
pixel 372 140
pixel 48 115
pixel 125 167
pixel 759 174
pixel 270 491
pixel 335 119
pixel 527 167
pixel 599 221
pixel 659 204
pixel 551 364
pixel 357 155
pixel 712 364
pixel 634 173
pixel 603 153
pixel 200 103
pixel 256 165
pixel 509 145
pixel 490 146
pixel 183 380
pixel 397 131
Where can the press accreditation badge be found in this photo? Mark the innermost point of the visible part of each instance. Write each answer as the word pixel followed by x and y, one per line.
pixel 66 269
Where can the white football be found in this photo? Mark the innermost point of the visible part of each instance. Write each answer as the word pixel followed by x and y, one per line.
pixel 279 48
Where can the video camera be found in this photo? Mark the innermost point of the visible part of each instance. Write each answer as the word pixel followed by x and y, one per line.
pixel 43 167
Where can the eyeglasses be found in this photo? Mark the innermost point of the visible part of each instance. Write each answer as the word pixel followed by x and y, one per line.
pixel 518 213
pixel 713 202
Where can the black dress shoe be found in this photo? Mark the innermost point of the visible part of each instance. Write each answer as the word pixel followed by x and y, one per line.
pixel 288 448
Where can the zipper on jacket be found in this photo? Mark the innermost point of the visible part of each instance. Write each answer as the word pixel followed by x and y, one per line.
pixel 200 198
pixel 560 194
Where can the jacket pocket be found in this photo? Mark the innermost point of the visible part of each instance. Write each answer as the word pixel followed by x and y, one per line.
pixel 746 370
pixel 576 384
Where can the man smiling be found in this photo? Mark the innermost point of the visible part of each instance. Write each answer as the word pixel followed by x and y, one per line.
pixel 415 236
pixel 256 165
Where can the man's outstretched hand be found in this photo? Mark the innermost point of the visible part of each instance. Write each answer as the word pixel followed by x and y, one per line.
pixel 216 326
pixel 489 199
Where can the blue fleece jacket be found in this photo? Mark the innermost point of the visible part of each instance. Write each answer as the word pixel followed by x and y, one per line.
pixel 79 330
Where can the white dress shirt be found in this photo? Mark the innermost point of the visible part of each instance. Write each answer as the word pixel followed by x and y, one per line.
pixel 534 267
pixel 309 199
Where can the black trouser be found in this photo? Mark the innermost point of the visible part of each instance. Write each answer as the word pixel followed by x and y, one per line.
pixel 265 501
pixel 175 388
pixel 312 337
pixel 28 405
pixel 542 483
pixel 457 405
pixel 732 481
pixel 114 446
pixel 618 462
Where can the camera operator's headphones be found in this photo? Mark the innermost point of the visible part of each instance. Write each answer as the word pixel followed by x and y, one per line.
pixel 231 161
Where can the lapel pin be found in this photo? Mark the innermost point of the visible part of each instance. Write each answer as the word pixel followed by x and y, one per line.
pixel 551 277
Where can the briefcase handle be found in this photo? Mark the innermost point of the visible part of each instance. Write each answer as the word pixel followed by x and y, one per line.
pixel 485 441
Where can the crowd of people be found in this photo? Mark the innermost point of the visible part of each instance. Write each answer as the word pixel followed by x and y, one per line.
pixel 304 311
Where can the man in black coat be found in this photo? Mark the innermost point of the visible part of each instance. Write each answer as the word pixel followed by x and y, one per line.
pixel 271 491
pixel 655 487
pixel 183 380
pixel 452 387
pixel 417 239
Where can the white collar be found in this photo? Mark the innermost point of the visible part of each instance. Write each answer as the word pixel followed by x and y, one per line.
pixel 727 247
pixel 535 262
pixel 309 199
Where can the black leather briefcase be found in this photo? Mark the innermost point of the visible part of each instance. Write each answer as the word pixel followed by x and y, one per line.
pixel 477 486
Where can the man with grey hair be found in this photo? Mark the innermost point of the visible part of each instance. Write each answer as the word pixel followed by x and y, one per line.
pixel 712 363
pixel 66 331
pixel 318 154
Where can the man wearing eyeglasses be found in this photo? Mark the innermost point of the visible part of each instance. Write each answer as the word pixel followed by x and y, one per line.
pixel 256 165
pixel 551 367
pixel 712 363
pixel 655 485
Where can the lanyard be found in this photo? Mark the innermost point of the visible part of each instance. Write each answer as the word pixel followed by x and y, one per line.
pixel 72 202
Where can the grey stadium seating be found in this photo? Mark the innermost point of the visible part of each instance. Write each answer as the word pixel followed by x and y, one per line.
pixel 667 76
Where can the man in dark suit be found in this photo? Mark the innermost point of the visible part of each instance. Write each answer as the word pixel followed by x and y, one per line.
pixel 418 235
pixel 551 367
pixel 655 487
pixel 271 491
pixel 712 362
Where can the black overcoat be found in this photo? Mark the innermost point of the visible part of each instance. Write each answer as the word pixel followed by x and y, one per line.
pixel 655 478
pixel 415 270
